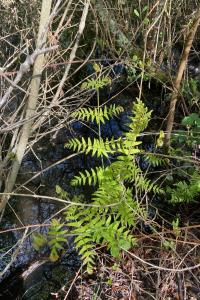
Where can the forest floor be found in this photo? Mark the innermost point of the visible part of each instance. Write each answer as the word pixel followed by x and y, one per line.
pixel 164 265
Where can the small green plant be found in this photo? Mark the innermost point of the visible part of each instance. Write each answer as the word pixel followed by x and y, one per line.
pixel 141 14
pixel 169 244
pixel 185 191
pixel 190 136
pixel 134 65
pixel 175 225
pixel 56 237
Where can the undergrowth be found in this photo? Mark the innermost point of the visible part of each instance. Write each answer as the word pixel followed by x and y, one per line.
pixel 116 206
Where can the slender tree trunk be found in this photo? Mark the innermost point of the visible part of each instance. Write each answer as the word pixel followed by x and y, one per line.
pixel 177 82
pixel 72 56
pixel 31 105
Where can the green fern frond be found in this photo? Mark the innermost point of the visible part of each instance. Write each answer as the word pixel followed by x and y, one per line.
pixel 99 229
pixel 39 241
pixel 96 83
pixel 91 177
pixel 140 118
pixel 56 238
pixel 98 115
pixel 185 192
pixel 128 209
pixel 155 160
pixel 147 185
pixel 97 147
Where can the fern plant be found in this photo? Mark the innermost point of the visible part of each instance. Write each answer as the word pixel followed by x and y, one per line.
pixel 115 206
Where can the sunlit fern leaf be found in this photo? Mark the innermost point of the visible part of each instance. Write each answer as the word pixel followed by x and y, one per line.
pixel 97 83
pixel 91 177
pixel 140 118
pixel 97 147
pixel 98 114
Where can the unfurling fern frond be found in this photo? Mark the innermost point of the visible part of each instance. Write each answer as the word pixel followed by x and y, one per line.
pixel 98 114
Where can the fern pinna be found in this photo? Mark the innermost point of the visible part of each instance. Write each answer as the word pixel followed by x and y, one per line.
pixel 98 114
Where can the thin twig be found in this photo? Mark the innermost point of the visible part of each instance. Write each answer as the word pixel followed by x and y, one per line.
pixel 162 268
pixel 24 68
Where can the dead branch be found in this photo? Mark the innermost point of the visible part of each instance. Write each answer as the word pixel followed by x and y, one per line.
pixel 24 68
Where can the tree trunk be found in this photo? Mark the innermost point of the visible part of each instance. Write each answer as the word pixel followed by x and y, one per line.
pixel 31 105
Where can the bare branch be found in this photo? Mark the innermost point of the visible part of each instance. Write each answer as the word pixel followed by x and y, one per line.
pixel 24 68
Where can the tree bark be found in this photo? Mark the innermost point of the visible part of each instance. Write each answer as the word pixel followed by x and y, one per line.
pixel 32 102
